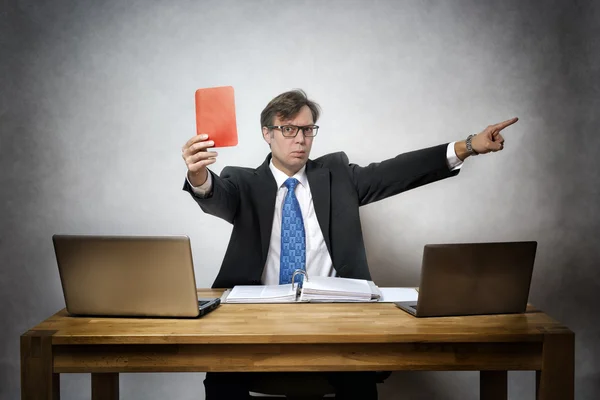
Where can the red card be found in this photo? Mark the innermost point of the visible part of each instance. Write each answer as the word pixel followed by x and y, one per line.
pixel 215 115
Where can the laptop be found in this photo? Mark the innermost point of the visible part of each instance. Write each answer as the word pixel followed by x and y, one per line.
pixel 474 279
pixel 128 276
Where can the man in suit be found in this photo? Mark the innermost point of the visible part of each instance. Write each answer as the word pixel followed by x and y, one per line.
pixel 293 212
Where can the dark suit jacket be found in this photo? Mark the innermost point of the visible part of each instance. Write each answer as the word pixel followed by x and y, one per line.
pixel 245 197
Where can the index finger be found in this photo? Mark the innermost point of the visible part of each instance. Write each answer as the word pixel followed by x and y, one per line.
pixel 195 139
pixel 501 125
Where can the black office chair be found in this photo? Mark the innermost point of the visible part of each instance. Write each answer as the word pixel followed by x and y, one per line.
pixel 298 386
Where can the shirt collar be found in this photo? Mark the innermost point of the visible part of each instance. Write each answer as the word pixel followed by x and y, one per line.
pixel 281 177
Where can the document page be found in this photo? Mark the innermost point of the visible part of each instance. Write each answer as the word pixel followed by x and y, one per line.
pixel 394 294
pixel 262 294
pixel 329 289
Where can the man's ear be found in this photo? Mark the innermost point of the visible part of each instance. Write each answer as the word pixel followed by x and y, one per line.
pixel 266 135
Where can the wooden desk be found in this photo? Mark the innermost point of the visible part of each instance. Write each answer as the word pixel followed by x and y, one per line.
pixel 299 337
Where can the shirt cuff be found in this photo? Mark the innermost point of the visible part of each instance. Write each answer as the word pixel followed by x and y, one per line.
pixel 204 189
pixel 453 161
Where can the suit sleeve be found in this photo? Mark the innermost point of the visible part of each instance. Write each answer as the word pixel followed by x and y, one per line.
pixel 224 198
pixel 404 172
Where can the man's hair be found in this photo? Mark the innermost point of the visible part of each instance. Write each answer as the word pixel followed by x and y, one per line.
pixel 287 105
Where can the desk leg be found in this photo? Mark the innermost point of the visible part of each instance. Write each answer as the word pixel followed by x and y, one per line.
pixel 556 380
pixel 105 386
pixel 493 385
pixel 38 381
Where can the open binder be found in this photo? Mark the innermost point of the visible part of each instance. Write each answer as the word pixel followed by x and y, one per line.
pixel 316 289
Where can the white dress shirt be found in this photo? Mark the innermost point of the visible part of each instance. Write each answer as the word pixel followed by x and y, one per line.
pixel 318 259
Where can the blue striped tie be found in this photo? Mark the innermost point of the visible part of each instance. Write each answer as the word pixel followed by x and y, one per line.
pixel 293 245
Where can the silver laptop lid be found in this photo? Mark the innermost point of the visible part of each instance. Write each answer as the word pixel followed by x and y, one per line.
pixel 127 275
pixel 475 278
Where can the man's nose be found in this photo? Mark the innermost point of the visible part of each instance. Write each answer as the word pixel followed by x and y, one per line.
pixel 300 136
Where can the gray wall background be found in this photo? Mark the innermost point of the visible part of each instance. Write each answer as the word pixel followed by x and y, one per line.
pixel 97 100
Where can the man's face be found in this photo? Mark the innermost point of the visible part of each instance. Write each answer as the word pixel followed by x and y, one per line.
pixel 290 153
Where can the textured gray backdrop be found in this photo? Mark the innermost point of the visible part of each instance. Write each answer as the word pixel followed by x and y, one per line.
pixel 97 100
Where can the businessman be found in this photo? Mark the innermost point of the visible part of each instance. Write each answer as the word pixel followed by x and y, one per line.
pixel 294 212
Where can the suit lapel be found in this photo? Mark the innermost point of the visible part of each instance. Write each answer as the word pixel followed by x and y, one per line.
pixel 266 188
pixel 318 179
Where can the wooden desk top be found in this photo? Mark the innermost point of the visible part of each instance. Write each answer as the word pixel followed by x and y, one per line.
pixel 300 323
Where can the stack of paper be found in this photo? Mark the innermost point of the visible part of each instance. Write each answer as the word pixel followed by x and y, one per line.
pixel 320 289
pixel 328 289
pixel 262 294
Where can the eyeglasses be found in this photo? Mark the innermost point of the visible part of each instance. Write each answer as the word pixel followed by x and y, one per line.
pixel 292 130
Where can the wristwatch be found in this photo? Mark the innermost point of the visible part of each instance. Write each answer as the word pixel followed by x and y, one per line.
pixel 469 147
